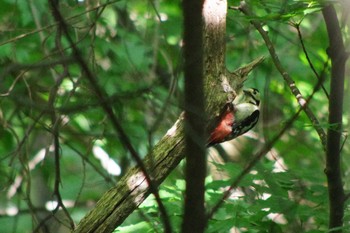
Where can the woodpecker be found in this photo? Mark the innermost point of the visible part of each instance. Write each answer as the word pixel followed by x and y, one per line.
pixel 238 118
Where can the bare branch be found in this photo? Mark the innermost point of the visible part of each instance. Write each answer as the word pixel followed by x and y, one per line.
pixel 291 84
pixel 109 111
pixel 318 76
pixel 256 158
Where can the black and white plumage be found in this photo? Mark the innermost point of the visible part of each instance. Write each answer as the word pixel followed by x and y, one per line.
pixel 241 116
pixel 246 112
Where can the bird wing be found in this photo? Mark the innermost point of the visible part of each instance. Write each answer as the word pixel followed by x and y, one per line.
pixel 239 128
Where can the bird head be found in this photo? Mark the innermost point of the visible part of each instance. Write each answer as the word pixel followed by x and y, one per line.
pixel 249 95
pixel 252 96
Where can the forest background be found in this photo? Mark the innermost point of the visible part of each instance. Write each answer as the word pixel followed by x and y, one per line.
pixel 59 151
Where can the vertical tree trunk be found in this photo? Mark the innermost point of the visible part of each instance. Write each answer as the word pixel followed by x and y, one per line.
pixel 214 17
pixel 338 57
pixel 195 121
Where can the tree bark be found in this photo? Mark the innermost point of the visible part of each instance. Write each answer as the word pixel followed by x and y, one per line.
pixel 195 121
pixel 336 52
pixel 120 201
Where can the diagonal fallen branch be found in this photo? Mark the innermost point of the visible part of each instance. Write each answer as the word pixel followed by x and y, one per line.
pixel 120 201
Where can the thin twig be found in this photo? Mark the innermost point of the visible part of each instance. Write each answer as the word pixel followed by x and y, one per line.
pixel 297 26
pixel 109 111
pixel 268 146
pixel 14 39
pixel 291 84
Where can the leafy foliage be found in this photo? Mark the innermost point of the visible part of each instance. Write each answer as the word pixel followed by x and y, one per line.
pixel 134 49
